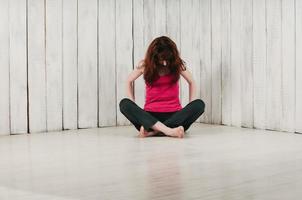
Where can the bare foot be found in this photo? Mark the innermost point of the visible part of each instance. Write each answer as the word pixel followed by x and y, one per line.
pixel 144 133
pixel 177 132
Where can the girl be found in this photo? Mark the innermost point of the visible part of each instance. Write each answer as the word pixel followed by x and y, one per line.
pixel 162 113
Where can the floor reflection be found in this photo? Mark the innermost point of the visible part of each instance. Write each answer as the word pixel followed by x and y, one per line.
pixel 164 175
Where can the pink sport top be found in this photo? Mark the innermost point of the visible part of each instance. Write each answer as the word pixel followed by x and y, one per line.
pixel 162 95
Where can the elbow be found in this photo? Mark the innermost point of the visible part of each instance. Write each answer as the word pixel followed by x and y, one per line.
pixel 129 80
pixel 191 82
pixel 129 84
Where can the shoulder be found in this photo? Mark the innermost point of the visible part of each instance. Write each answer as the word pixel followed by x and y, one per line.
pixel 140 66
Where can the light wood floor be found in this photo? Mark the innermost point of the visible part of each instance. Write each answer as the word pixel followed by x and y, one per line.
pixel 211 162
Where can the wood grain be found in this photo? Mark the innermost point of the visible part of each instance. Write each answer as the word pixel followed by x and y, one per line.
pixel 186 36
pixel 4 68
pixel 226 87
pixel 216 60
pixel 288 66
pixel 36 66
pixel 87 63
pixel 274 65
pixel 298 77
pixel 70 64
pixel 205 59
pixel 259 63
pixel 246 64
pixel 139 49
pixel 54 72
pixel 124 48
pixel 107 67
pixel 212 162
pixel 18 66
pixel 236 14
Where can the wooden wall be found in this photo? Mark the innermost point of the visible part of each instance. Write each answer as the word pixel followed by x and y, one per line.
pixel 63 63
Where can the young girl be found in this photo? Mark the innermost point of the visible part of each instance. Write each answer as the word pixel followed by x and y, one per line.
pixel 162 113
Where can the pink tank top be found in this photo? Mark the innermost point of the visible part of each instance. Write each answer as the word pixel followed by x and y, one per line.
pixel 163 95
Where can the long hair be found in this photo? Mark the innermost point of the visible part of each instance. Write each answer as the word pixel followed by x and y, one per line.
pixel 162 49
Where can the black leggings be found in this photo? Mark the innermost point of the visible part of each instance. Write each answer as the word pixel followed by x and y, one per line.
pixel 139 117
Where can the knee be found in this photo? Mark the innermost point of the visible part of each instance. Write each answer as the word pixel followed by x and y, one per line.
pixel 124 103
pixel 199 105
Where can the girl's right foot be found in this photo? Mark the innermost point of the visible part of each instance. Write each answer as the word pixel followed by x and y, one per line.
pixel 144 133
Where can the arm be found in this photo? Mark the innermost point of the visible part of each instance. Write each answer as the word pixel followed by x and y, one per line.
pixel 138 71
pixel 192 85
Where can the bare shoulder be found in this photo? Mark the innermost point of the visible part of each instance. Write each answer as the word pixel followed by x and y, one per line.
pixel 140 66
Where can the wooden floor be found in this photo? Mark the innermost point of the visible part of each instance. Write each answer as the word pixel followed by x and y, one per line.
pixel 211 162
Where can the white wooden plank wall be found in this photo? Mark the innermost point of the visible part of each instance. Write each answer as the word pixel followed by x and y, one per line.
pixel 54 73
pixel 139 48
pixel 298 77
pixel 288 66
pixel 124 52
pixel 274 64
pixel 236 14
pixel 195 48
pixel 226 87
pixel 246 63
pixel 18 66
pixel 259 63
pixel 4 68
pixel 87 63
pixel 107 90
pixel 205 59
pixel 187 27
pixel 36 66
pixel 63 63
pixel 216 33
pixel 173 20
pixel 70 66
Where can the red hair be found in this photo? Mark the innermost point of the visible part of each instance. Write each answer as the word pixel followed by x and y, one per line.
pixel 160 49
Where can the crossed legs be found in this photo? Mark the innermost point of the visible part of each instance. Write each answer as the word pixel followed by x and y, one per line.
pixel 174 126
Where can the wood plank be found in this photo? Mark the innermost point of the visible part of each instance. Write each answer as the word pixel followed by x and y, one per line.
pixel 4 69
pixel 124 48
pixel 259 63
pixel 87 63
pixel 236 13
pixel 139 49
pixel 160 17
pixel 54 72
pixel 18 66
pixel 226 87
pixel 107 76
pixel 36 66
pixel 298 78
pixel 173 20
pixel 149 21
pixel 288 66
pixel 274 67
pixel 206 61
pixel 246 64
pixel 196 62
pixel 216 61
pixel 70 66
pixel 186 44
